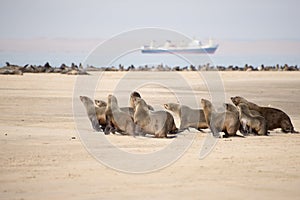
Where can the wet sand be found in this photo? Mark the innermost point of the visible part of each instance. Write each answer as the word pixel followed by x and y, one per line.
pixel 40 159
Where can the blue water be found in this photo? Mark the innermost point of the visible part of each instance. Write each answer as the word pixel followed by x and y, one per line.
pixel 37 58
pixel 256 60
pixel 137 59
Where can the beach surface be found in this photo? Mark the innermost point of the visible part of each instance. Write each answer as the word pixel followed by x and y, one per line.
pixel 43 157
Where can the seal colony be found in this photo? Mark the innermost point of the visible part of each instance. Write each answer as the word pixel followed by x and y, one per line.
pixel 141 119
pixel 12 69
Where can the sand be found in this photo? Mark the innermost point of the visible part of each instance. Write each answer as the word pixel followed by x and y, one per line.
pixel 42 156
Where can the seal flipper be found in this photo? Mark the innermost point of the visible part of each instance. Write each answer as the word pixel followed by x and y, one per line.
pixel 215 132
pixel 95 124
pixel 107 130
pixel 294 131
pixel 178 131
pixel 199 129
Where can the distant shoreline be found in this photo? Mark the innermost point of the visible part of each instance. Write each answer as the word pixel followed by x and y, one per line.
pixel 12 69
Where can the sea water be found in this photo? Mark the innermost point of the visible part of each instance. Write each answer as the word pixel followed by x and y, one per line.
pixel 138 59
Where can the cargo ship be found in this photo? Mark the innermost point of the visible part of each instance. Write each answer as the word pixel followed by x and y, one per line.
pixel 194 47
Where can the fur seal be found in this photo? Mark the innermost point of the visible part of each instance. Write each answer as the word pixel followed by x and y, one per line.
pixel 189 117
pixel 135 94
pixel 234 109
pixel 91 111
pixel 101 103
pixel 275 118
pixel 254 122
pixel 116 119
pixel 157 123
pixel 244 129
pixel 231 108
pixel 227 122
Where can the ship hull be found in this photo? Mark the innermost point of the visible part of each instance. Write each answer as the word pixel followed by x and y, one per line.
pixel 210 50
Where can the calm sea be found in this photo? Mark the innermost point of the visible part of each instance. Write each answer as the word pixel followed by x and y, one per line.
pixel 137 59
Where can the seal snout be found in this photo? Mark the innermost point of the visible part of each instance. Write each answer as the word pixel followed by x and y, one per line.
pixel 234 100
pixel 202 101
pixel 82 98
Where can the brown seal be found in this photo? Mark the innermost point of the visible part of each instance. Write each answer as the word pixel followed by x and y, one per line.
pixel 93 113
pixel 135 94
pixel 275 118
pixel 227 122
pixel 157 123
pixel 232 108
pixel 257 123
pixel 116 119
pixel 189 117
pixel 101 103
pixel 244 129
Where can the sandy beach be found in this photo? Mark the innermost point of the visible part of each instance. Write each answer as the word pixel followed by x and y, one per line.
pixel 42 156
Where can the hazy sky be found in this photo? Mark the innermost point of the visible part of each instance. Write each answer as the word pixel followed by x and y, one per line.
pixel 231 19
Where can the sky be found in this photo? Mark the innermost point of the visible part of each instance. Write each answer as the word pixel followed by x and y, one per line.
pixel 38 31
pixel 230 19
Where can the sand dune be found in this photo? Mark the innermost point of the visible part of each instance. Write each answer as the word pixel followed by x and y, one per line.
pixel 42 156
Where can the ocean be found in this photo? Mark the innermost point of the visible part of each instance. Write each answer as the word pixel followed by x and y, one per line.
pixel 111 53
pixel 138 59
